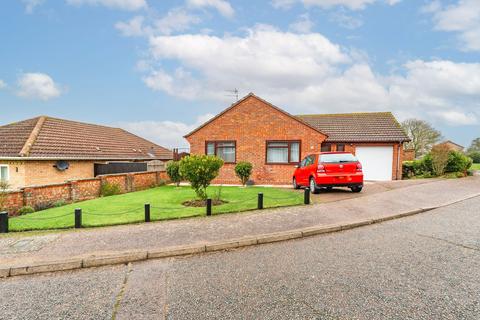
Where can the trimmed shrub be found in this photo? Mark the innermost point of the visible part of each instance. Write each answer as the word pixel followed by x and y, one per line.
pixel 243 170
pixel 173 172
pixel 458 162
pixel 421 167
pixel 59 203
pixel 440 155
pixel 25 210
pixel 200 170
pixel 475 155
pixel 109 189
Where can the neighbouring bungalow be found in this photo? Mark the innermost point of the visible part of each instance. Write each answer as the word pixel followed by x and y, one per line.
pixel 274 141
pixel 46 150
pixel 452 146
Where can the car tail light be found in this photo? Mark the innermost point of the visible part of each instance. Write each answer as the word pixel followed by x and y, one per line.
pixel 359 167
pixel 321 168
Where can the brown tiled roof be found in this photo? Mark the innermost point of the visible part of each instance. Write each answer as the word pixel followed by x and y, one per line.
pixel 358 127
pixel 46 137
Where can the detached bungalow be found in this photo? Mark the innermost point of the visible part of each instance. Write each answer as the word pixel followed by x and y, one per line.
pixel 274 141
pixel 47 150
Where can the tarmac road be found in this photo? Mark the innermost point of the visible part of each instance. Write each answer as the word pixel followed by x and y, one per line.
pixel 421 267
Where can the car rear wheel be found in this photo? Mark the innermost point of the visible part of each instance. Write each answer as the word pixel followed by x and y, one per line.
pixel 295 185
pixel 313 186
pixel 356 189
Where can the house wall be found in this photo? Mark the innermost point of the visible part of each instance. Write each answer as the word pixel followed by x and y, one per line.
pixel 250 124
pixel 78 190
pixel 16 172
pixel 44 172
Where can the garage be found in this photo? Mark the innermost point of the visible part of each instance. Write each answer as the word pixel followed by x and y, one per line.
pixel 377 162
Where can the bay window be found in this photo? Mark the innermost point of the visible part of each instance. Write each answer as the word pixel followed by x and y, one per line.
pixel 279 152
pixel 225 150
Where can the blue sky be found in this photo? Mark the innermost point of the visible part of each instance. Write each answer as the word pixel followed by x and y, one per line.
pixel 160 68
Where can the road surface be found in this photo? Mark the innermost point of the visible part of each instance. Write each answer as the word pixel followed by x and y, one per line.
pixel 421 267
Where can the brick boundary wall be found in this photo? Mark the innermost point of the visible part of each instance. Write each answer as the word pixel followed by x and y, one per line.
pixel 79 190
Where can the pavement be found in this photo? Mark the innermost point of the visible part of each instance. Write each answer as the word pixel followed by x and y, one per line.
pixel 420 267
pixel 26 253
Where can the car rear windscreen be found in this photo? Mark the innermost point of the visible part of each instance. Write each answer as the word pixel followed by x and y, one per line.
pixel 338 158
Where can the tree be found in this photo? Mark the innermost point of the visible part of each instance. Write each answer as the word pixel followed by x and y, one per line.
pixel 475 146
pixel 200 170
pixel 422 135
pixel 173 171
pixel 243 170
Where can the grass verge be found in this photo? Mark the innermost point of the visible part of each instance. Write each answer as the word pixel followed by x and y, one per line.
pixel 165 202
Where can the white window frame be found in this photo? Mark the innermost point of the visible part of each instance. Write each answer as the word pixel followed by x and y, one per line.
pixel 8 171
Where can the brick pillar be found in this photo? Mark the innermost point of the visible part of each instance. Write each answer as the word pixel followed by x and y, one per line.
pixel 129 182
pixel 29 197
pixel 73 191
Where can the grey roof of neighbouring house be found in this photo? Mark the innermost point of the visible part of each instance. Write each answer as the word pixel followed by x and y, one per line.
pixel 358 127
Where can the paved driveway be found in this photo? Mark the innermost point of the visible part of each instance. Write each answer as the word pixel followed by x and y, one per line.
pixel 370 187
pixel 421 267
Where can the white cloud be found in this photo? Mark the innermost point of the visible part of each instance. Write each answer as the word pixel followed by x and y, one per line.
pixel 2 84
pixel 129 5
pixel 175 20
pixel 346 20
pixel 132 28
pixel 168 134
pixel 31 4
pixel 307 73
pixel 462 18
pixel 303 24
pixel 327 4
pixel 37 86
pixel 222 6
pixel 456 117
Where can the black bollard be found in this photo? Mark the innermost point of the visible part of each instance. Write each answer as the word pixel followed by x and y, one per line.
pixel 209 207
pixel 78 218
pixel 147 212
pixel 3 222
pixel 306 196
pixel 260 201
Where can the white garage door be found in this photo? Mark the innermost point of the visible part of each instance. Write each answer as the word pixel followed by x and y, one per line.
pixel 377 162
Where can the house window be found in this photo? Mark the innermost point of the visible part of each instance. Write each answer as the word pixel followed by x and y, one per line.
pixel 326 147
pixel 341 147
pixel 225 150
pixel 4 173
pixel 283 151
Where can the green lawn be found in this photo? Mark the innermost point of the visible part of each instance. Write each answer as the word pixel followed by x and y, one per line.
pixel 475 166
pixel 166 203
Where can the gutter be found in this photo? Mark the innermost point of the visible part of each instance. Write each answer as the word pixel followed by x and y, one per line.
pixel 78 159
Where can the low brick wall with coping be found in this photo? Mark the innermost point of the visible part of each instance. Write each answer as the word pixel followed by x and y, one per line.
pixel 79 190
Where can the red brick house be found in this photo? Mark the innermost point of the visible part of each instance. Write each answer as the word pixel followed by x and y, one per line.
pixel 274 141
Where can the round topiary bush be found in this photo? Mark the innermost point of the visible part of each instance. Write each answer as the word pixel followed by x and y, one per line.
pixel 243 170
pixel 200 170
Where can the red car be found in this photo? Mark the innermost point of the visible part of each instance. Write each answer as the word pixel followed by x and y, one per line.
pixel 328 170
